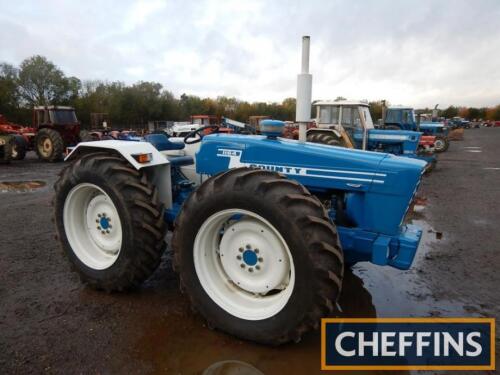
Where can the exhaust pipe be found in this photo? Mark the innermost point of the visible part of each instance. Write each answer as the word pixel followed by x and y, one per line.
pixel 304 91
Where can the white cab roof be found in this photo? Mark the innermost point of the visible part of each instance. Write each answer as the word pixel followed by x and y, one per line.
pixel 342 102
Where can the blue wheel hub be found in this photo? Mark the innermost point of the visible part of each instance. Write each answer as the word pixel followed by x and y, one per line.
pixel 250 258
pixel 104 222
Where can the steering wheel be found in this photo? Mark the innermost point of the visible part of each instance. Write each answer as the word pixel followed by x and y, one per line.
pixel 198 133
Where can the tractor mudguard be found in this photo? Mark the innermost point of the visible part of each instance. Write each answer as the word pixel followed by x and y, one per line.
pixel 158 165
pixel 126 149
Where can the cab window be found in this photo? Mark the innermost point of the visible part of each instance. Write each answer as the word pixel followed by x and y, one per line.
pixel 328 114
pixel 407 117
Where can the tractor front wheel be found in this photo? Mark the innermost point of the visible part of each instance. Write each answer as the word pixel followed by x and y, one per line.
pixel 49 145
pixel 258 256
pixel 109 221
pixel 441 143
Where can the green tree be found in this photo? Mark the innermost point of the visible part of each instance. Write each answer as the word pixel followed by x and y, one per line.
pixel 42 83
pixel 9 97
pixel 450 112
pixel 376 110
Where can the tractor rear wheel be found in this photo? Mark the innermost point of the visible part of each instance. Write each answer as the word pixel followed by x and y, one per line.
pixel 109 221
pixel 324 138
pixel 49 145
pixel 441 143
pixel 18 148
pixel 258 256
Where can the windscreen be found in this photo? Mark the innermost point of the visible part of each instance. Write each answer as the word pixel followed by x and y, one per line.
pixel 63 117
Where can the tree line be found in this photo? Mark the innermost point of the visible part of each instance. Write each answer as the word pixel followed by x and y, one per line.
pixel 38 81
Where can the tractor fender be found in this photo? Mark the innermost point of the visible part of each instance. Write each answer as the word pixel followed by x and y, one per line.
pixel 126 149
pixel 157 169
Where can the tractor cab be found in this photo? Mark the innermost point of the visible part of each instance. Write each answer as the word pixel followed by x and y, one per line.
pixel 347 119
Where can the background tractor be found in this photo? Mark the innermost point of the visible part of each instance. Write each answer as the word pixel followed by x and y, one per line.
pixel 403 118
pixel 261 231
pixel 56 128
pixel 349 124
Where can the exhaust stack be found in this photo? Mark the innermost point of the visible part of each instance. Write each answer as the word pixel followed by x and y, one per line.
pixel 304 91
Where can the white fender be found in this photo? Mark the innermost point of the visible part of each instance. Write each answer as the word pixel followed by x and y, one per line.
pixel 124 148
pixel 158 167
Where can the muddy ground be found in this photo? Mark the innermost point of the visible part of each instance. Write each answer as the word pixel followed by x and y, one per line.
pixel 50 323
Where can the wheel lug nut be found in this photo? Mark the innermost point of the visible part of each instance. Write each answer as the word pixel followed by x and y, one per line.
pixel 103 232
pixel 256 251
pixel 107 231
pixel 110 227
pixel 99 215
pixel 250 270
pixel 242 265
pixel 261 259
pixel 238 257
pixel 257 267
pixel 240 249
pixel 99 228
pixel 248 247
pixel 97 221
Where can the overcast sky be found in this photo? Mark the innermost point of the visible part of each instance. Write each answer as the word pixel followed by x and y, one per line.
pixel 410 52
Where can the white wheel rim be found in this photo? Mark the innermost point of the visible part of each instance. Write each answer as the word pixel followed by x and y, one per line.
pixel 244 264
pixel 439 144
pixel 92 226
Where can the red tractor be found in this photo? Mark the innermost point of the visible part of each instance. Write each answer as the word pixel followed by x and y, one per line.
pixel 56 128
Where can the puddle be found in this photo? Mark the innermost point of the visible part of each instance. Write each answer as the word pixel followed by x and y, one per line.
pixel 20 186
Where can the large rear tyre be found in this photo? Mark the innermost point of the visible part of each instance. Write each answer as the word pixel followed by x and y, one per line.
pixel 324 138
pixel 49 145
pixel 441 143
pixel 109 221
pixel 19 148
pixel 258 256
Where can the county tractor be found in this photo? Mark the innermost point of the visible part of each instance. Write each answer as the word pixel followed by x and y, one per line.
pixel 262 226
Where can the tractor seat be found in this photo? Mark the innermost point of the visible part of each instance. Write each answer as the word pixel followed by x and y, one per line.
pixel 162 143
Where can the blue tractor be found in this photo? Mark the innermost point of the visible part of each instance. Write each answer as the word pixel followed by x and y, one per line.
pixel 349 124
pixel 403 118
pixel 262 226
pixel 261 231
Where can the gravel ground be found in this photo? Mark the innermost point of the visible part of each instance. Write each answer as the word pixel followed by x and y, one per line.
pixel 50 323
